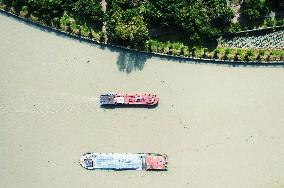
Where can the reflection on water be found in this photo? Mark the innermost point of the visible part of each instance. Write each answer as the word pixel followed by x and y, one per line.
pixel 131 61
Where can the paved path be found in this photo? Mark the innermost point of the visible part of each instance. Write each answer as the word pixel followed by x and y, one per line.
pixel 104 29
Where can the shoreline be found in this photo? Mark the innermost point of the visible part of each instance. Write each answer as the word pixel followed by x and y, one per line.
pixel 161 55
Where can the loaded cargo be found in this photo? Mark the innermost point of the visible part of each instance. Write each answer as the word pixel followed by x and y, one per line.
pixel 124 161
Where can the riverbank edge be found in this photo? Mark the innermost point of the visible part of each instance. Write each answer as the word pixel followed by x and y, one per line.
pixel 161 55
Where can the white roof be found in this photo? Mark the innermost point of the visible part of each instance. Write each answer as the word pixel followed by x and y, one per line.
pixel 120 100
pixel 115 161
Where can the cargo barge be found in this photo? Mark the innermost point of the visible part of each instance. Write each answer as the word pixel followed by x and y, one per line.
pixel 124 161
pixel 128 99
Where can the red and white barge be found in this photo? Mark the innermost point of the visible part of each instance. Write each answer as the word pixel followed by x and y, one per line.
pixel 128 99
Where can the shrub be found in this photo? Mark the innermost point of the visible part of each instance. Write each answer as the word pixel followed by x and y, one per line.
pixel 24 11
pixel 238 55
pixel 234 27
pixel 177 48
pixel 270 22
pixel 55 22
pixel 268 58
pixel 85 31
pixel 166 49
pixel 249 55
pixel 260 55
pixel 75 28
pixel 205 51
pixel 227 52
pixel 161 47
pixel 261 52
pixel 96 35
pixel 153 46
pixel 65 21
pixel 34 18
pixel 280 22
pixel 193 51
pixel 185 51
pixel 216 53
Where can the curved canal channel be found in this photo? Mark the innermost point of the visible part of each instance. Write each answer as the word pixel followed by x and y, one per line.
pixel 220 126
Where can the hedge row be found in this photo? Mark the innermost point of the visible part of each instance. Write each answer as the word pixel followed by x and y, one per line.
pixel 232 54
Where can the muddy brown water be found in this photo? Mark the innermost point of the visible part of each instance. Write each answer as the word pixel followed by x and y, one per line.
pixel 221 126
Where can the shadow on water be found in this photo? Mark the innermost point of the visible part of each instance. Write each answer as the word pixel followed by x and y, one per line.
pixel 131 60
pixel 230 64
pixel 129 106
pixel 128 60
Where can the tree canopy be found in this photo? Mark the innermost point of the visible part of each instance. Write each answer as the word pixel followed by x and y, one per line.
pixel 200 19
pixel 127 26
pixel 128 22
pixel 88 9
pixel 253 9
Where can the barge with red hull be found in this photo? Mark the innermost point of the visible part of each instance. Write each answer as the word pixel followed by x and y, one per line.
pixel 128 99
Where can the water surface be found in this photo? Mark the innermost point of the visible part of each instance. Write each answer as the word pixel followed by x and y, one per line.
pixel 221 126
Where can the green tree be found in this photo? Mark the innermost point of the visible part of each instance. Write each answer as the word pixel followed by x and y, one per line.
pixel 152 16
pixel 88 10
pixel 166 11
pixel 45 5
pixel 219 12
pixel 14 3
pixel 253 9
pixel 204 19
pixel 128 28
pixel 194 20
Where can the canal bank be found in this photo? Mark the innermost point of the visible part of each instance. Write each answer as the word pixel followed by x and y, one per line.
pixel 114 47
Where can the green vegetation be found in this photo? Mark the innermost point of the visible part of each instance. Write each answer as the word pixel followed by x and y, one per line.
pixel 81 17
pixel 126 26
pixel 253 9
pixel 188 28
pixel 198 19
pixel 256 13
pixel 221 53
